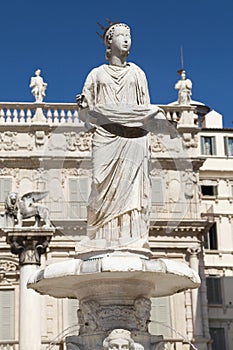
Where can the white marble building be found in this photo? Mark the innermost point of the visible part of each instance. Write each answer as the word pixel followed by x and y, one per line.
pixel 44 146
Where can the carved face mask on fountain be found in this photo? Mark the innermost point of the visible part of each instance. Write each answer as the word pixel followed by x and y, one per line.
pixel 118 344
pixel 119 339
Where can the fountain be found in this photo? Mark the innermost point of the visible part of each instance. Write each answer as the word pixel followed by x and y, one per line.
pixel 114 274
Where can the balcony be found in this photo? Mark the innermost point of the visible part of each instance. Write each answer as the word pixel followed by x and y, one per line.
pixel 26 113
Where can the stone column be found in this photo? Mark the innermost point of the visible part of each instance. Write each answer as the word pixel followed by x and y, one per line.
pixel 29 244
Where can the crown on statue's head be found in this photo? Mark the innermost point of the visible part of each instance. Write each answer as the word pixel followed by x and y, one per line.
pixel 109 30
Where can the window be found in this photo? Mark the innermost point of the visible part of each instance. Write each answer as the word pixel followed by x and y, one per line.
pixel 5 188
pixel 218 337
pixel 157 191
pixel 209 190
pixel 7 317
pixel 228 143
pixel 214 290
pixel 211 241
pixel 208 145
pixel 79 192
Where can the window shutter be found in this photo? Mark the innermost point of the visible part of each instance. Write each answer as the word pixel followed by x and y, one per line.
pixel 226 146
pixel 157 191
pixel 213 145
pixel 5 188
pixel 215 190
pixel 214 290
pixel 82 185
pixel 218 337
pixel 203 145
pixel 160 316
pixel 7 317
pixel 79 192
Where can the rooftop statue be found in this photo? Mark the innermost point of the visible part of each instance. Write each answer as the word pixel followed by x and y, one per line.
pixel 115 103
pixel 17 208
pixel 184 86
pixel 38 86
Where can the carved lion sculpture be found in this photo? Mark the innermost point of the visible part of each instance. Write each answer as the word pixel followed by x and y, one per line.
pixel 26 207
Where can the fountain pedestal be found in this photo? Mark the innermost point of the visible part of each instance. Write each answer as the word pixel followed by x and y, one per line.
pixel 114 290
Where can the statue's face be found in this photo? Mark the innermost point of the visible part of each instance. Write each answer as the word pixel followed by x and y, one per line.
pixel 118 344
pixel 121 40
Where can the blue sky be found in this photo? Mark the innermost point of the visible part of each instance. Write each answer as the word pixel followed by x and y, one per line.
pixel 60 38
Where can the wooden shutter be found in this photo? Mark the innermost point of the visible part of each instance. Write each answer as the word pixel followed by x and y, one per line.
pixel 214 290
pixel 213 145
pixel 218 337
pixel 5 188
pixel 226 146
pixel 157 191
pixel 7 317
pixel 79 192
pixel 203 145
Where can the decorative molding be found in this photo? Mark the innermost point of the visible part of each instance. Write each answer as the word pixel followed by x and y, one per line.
pixel 190 139
pixel 8 271
pixel 9 142
pixel 8 266
pixel 94 317
pixel 76 172
pixel 157 145
pixel 9 172
pixel 78 141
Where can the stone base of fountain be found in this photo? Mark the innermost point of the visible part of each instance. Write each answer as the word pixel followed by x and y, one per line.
pixel 114 290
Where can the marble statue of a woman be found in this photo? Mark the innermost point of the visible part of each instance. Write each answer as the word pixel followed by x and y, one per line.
pixel 115 102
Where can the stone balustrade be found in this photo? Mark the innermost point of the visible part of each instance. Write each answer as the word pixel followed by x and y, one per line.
pixel 160 211
pixel 23 113
pixel 9 345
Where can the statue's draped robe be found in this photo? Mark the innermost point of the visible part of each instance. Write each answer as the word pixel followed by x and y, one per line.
pixel 119 104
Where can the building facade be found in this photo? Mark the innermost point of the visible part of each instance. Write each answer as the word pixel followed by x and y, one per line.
pixel 45 147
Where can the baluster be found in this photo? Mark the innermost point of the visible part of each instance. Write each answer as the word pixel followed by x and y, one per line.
pixel 62 116
pixel 8 116
pixel 169 116
pixel 69 116
pixel 2 116
pixel 22 115
pixel 174 116
pixel 28 115
pixel 55 116
pixel 76 117
pixel 49 116
pixel 15 116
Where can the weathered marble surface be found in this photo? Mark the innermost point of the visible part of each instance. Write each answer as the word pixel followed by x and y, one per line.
pixel 115 104
pixel 104 275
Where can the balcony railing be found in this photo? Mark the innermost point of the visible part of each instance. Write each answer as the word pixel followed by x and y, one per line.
pixel 165 211
pixel 159 211
pixel 9 345
pixel 24 113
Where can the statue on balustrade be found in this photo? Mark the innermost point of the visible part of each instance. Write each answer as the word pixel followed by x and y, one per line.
pixel 38 86
pixel 18 209
pixel 184 86
pixel 115 105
